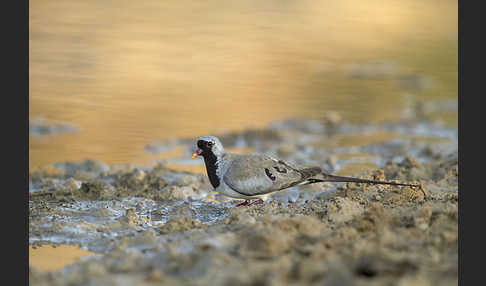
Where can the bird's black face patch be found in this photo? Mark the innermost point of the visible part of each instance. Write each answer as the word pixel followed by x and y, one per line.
pixel 210 161
pixel 205 146
pixel 270 175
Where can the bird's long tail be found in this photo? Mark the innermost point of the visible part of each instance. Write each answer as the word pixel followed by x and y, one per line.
pixel 331 178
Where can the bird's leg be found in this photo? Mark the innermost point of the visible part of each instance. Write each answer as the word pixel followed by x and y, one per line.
pixel 245 203
pixel 256 202
pixel 250 202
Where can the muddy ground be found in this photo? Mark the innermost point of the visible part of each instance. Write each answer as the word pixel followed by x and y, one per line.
pixel 158 225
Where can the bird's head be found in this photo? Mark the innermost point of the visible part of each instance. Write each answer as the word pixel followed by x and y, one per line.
pixel 207 146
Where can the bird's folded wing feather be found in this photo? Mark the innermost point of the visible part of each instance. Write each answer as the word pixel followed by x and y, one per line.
pixel 259 174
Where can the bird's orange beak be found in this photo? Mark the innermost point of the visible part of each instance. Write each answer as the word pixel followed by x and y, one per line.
pixel 198 151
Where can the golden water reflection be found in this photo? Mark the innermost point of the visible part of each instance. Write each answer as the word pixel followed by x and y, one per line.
pixel 129 73
pixel 50 258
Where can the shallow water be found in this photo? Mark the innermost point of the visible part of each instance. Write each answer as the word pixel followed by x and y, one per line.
pixel 118 75
pixel 48 258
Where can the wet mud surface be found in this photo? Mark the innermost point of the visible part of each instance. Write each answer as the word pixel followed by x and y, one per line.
pixel 160 225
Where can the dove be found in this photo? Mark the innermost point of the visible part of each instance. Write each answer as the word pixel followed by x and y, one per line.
pixel 251 176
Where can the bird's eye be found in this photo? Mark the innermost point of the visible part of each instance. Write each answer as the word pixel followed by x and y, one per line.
pixel 210 144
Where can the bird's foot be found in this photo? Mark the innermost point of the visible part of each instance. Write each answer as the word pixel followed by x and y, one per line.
pixel 249 203
pixel 256 202
pixel 245 203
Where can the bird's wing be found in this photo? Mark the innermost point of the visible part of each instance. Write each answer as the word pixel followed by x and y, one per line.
pixel 259 174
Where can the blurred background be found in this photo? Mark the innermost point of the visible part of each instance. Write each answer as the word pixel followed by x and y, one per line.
pixel 121 74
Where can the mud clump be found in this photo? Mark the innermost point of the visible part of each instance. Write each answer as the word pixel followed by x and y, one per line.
pixel 139 183
pixel 264 243
pixel 375 218
pixel 340 210
pixel 179 223
pixel 41 127
pixel 411 170
pixel 84 170
pixel 130 218
pixel 178 193
pixel 92 191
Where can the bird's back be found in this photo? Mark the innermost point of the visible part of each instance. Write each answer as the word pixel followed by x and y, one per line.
pixel 255 174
